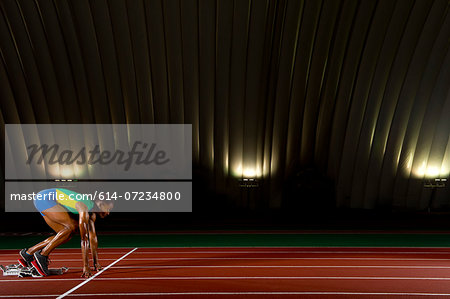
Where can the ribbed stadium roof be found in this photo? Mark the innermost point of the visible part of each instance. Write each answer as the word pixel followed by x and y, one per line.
pixel 357 89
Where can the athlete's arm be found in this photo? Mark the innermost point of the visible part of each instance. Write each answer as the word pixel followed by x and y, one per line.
pixel 93 241
pixel 84 234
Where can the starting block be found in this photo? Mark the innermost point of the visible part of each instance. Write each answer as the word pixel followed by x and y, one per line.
pixel 20 271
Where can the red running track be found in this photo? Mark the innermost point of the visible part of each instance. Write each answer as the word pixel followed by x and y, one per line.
pixel 243 273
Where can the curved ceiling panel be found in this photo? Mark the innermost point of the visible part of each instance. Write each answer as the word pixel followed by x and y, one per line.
pixel 356 89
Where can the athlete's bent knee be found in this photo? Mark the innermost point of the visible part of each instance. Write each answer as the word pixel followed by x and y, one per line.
pixel 71 227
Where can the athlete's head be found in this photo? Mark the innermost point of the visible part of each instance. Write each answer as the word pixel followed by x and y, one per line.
pixel 104 207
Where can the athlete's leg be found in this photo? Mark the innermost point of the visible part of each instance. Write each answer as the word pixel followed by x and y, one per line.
pixel 40 245
pixel 56 227
pixel 60 221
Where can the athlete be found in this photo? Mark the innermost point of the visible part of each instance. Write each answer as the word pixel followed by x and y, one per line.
pixel 59 207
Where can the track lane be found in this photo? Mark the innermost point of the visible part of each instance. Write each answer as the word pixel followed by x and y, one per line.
pixel 266 285
pixel 204 283
pixel 173 273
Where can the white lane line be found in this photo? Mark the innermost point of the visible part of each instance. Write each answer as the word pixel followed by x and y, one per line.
pixel 325 251
pixel 254 258
pixel 236 278
pixel 274 252
pixel 276 258
pixel 236 293
pixel 263 247
pixel 250 258
pixel 268 293
pixel 274 266
pixel 299 251
pixel 161 267
pixel 97 274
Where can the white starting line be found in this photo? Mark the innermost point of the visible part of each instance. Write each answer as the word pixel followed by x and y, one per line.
pixel 97 274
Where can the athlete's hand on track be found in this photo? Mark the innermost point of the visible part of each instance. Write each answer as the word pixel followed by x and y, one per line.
pixel 86 272
pixel 98 267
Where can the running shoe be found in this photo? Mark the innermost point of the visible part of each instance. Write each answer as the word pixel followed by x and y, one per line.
pixel 40 263
pixel 25 258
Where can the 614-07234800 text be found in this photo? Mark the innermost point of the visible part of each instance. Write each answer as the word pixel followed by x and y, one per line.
pixel 141 195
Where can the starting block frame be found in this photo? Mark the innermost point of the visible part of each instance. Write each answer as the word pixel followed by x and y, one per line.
pixel 20 271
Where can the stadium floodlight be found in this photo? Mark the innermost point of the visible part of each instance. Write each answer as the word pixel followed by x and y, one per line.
pixel 435 183
pixel 248 183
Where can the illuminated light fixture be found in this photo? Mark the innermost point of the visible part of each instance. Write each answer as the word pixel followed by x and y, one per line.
pixel 435 183
pixel 248 183
pixel 65 183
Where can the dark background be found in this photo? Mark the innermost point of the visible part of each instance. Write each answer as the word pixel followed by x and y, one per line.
pixel 340 109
